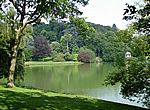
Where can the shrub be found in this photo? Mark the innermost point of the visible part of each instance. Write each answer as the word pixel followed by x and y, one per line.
pixel 28 54
pixel 55 46
pixel 59 58
pixel 75 49
pixel 68 57
pixel 98 59
pixel 86 55
pixel 53 54
pixel 74 57
pixel 47 58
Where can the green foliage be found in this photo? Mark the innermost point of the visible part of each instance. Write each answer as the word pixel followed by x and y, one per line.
pixel 59 57
pixel 54 30
pixel 75 50
pixel 75 57
pixel 18 14
pixel 82 25
pixel 113 48
pixel 98 59
pixel 134 73
pixel 3 36
pixel 4 59
pixel 86 55
pixel 47 59
pixel 28 54
pixel 54 54
pixel 55 46
pixel 68 57
pixel 66 42
pixel 19 73
pixel 102 41
pixel 134 78
pixel 6 41
pixel 96 37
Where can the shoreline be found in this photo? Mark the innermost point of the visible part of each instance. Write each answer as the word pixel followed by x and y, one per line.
pixel 30 63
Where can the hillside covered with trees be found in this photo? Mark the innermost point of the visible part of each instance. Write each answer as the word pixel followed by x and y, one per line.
pixel 67 40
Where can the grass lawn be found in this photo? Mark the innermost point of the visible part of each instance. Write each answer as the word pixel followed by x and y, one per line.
pixel 29 99
pixel 51 63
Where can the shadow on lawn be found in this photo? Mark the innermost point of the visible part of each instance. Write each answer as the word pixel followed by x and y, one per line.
pixel 37 101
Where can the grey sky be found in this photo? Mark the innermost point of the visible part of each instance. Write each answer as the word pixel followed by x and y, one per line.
pixel 106 12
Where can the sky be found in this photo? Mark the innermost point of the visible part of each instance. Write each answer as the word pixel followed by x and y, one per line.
pixel 106 12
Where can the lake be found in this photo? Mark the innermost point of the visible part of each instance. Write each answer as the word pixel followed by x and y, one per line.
pixel 85 79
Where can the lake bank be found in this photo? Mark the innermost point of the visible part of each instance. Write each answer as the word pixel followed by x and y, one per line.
pixel 51 63
pixel 21 98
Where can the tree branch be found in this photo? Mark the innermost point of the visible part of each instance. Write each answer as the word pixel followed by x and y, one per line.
pixel 15 5
pixel 31 21
pixel 8 17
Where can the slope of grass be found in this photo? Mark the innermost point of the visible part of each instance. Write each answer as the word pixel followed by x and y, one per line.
pixel 29 99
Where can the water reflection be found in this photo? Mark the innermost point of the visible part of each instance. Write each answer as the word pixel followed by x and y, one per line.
pixel 86 79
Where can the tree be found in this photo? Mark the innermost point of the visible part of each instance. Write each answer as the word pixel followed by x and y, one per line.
pixel 41 48
pixel 83 28
pixel 4 56
pixel 28 54
pixel 7 39
pixel 134 73
pixel 26 12
pixel 53 30
pixel 83 34
pixel 65 40
pixel 114 27
pixel 86 55
pixel 55 46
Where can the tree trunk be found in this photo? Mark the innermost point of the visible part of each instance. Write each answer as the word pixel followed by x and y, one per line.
pixel 67 47
pixel 13 60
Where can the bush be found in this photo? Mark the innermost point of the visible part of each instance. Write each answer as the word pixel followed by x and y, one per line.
pixel 68 57
pixel 86 55
pixel 98 59
pixel 74 57
pixel 55 46
pixel 53 54
pixel 59 58
pixel 28 54
pixel 75 49
pixel 47 59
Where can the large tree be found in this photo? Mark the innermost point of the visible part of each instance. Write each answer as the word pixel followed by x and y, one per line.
pixel 41 48
pixel 134 73
pixel 29 11
pixel 65 40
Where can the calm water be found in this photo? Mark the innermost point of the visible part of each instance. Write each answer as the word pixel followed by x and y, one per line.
pixel 86 79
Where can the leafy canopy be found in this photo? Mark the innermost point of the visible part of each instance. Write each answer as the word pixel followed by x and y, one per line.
pixel 134 73
pixel 32 10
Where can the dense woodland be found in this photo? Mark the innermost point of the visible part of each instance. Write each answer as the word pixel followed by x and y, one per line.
pixel 65 40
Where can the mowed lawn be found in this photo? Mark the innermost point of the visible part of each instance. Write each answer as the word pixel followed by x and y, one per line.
pixel 30 99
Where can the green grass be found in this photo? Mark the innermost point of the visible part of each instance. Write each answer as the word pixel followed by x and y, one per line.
pixel 29 99
pixel 51 63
